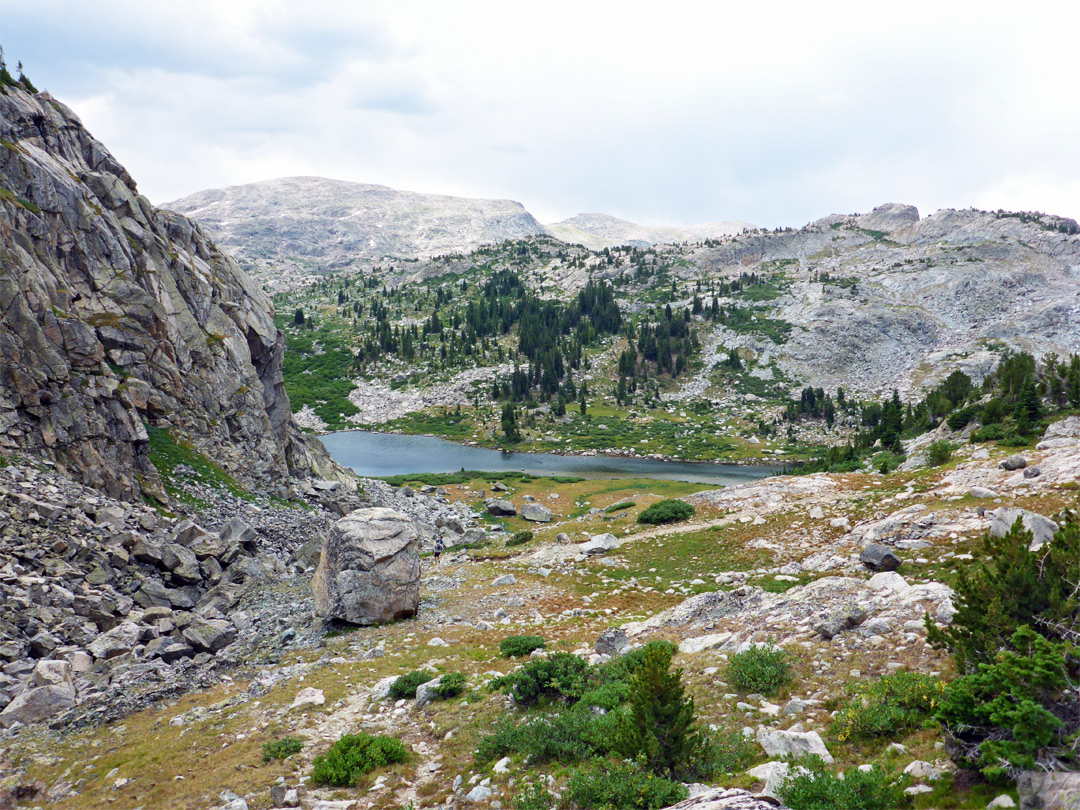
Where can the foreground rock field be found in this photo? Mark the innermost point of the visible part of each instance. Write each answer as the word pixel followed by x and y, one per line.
pixel 170 672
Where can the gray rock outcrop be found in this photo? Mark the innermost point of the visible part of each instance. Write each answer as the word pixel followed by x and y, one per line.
pixel 115 315
pixel 369 568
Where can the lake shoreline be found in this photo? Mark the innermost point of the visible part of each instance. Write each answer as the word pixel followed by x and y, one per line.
pixel 380 454
pixel 613 454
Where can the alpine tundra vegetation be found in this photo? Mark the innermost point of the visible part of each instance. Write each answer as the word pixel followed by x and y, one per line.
pixel 199 608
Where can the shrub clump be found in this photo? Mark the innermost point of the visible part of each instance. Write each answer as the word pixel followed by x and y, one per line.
pixel 669 511
pixel 813 787
pixel 281 749
pixel 450 685
pixel 939 453
pixel 888 706
pixel 561 675
pixel 518 646
pixel 762 668
pixel 623 785
pixel 618 507
pixel 519 538
pixel 355 755
pixel 1019 713
pixel 405 686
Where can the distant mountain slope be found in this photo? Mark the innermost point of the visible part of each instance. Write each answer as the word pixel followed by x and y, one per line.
pixel 304 225
pixel 598 231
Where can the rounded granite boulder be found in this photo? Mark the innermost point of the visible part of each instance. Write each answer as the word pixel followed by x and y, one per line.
pixel 369 569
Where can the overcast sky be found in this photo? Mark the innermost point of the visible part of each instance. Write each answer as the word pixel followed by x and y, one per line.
pixel 662 112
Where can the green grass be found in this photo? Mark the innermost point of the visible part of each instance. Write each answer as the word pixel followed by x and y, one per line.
pixel 167 453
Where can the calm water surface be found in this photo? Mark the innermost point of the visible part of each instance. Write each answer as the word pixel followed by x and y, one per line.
pixel 379 454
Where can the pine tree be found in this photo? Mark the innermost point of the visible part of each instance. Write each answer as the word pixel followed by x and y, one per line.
pixel 661 718
pixel 1028 406
pixel 1012 586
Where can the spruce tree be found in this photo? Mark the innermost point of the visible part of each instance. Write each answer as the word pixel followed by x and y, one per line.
pixel 661 719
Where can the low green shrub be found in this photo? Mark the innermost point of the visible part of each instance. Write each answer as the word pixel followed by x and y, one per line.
pixel 669 511
pixel 519 538
pixel 721 752
pixel 622 785
pixel 405 686
pixel 761 668
pixel 1014 440
pixel 355 755
pixel 813 787
pixel 450 685
pixel 939 453
pixel 568 734
pixel 281 749
pixel 888 706
pixel 959 419
pixel 518 646
pixel 559 675
pixel 988 433
pixel 534 797
pixel 618 507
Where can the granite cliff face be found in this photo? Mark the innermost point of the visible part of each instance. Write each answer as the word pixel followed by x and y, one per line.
pixel 294 227
pixel 115 314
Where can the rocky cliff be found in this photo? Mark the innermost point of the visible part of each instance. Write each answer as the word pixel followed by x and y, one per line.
pixel 115 315
pixel 299 226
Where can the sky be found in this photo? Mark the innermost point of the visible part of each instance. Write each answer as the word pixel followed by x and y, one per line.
pixel 774 113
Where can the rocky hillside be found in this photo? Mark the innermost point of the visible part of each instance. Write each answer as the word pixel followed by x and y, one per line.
pixel 297 227
pixel 158 662
pixel 598 231
pixel 117 316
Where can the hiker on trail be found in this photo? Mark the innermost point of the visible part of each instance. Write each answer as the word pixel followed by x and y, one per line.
pixel 439 546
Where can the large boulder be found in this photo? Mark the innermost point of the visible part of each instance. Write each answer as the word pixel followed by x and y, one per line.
pixel 369 568
pixel 49 692
pixel 795 744
pixel 536 513
pixel 725 799
pixel 599 544
pixel 1049 791
pixel 120 640
pixel 877 557
pixel 1042 528
pixel 500 507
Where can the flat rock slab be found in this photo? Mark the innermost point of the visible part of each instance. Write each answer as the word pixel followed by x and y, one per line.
pixel 726 799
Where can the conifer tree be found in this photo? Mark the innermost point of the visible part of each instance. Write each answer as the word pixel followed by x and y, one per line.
pixel 661 719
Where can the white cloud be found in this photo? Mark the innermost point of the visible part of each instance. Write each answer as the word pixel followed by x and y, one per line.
pixel 774 113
